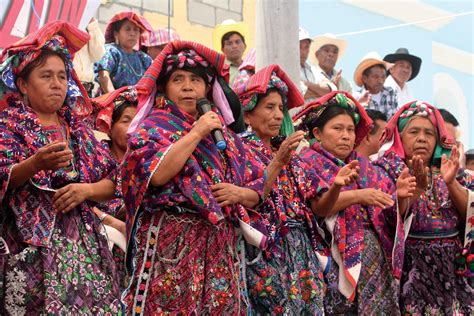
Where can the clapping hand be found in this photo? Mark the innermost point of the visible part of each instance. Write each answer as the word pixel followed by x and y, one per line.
pixel 449 167
pixel 420 172
pixel 337 78
pixel 376 198
pixel 347 174
pixel 364 100
pixel 406 184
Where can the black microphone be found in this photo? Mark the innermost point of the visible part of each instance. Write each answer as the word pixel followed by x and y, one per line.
pixel 204 106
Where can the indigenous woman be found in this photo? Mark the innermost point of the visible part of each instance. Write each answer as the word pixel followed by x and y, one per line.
pixel 178 192
pixel 116 111
pixel 416 137
pixel 287 277
pixel 55 260
pixel 362 243
pixel 121 64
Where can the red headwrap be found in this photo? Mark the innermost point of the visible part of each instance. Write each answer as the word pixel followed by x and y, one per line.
pixel 107 103
pixel 391 141
pixel 258 84
pixel 132 17
pixel 364 125
pixel 19 54
pixel 148 83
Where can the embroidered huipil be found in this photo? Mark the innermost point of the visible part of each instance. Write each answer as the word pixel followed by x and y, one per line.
pixel 296 184
pixel 125 69
pixel 434 214
pixel 22 136
pixel 348 234
pixel 64 257
pixel 190 187
pixel 288 276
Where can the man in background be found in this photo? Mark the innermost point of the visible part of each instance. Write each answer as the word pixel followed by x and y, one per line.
pixel 325 52
pixel 312 83
pixel 370 145
pixel 370 75
pixel 406 67
pixel 233 47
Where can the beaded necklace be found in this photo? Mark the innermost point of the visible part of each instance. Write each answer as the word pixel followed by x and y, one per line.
pixel 432 197
pixel 127 59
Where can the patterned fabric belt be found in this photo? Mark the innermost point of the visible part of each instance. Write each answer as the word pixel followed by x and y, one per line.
pixel 178 209
pixel 293 223
pixel 183 214
pixel 433 235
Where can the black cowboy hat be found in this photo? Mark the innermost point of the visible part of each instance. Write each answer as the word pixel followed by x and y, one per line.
pixel 403 54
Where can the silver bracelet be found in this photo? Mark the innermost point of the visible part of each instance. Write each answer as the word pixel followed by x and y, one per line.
pixel 103 216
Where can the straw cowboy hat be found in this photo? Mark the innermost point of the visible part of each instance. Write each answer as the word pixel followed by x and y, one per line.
pixel 326 39
pixel 369 60
pixel 403 54
pixel 225 27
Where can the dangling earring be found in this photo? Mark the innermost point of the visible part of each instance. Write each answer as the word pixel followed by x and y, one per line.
pixel 25 100
pixel 249 129
pixel 116 41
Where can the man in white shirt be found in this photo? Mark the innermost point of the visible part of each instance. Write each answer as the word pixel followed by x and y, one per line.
pixel 406 67
pixel 312 83
pixel 325 52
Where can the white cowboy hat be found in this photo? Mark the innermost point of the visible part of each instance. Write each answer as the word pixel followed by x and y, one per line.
pixel 326 39
pixel 304 34
pixel 369 60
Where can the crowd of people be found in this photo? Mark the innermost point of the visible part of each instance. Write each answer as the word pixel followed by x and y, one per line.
pixel 221 188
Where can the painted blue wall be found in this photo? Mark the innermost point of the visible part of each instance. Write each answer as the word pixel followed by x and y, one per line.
pixel 336 17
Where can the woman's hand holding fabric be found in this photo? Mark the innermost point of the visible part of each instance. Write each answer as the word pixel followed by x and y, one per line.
pixel 229 194
pixel 174 161
pixel 226 193
pixel 406 184
pixel 347 174
pixel 206 124
pixel 375 197
pixel 449 167
pixel 71 195
pixel 283 155
pixel 52 157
